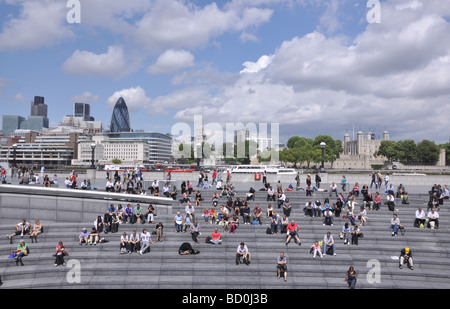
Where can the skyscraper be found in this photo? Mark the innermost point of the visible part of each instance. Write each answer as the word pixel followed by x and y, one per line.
pixel 82 110
pixel 38 107
pixel 120 120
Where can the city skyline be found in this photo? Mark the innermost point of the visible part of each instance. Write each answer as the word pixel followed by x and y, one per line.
pixel 315 67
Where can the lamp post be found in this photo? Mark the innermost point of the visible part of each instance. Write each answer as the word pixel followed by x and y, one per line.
pixel 323 145
pixel 93 155
pixel 14 154
pixel 199 153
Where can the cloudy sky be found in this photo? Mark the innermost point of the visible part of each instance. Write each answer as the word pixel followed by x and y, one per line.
pixel 313 66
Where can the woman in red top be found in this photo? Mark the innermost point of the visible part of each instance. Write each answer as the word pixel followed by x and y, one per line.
pixel 60 252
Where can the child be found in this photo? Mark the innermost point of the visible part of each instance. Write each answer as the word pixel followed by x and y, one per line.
pixel 206 215
pixel 316 249
pixel 213 215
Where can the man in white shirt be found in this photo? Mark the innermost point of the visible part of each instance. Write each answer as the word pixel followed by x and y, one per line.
pixel 420 217
pixel 190 210
pixel 166 190
pixel 390 202
pixel 270 194
pixel 146 240
pixel 281 199
pixel 109 186
pixel 433 219
pixel 155 186
pixel 242 251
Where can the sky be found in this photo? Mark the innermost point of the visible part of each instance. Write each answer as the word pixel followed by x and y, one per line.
pixel 312 66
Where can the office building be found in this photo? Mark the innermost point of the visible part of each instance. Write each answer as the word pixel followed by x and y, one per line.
pixel 82 110
pixel 38 107
pixel 120 119
pixel 10 123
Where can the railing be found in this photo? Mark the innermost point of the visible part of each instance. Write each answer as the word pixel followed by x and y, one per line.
pixel 89 194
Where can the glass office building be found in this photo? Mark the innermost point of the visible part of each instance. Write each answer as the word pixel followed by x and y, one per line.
pixel 10 123
pixel 120 120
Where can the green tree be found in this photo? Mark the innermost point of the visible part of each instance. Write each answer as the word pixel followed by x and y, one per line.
pixel 116 161
pixel 407 151
pixel 427 152
pixel 333 148
pixel 388 149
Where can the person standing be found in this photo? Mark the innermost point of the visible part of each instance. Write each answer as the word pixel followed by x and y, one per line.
pixel 214 176
pixel 373 180
pixel 343 183
pixel 297 179
pixel 318 180
pixel 386 180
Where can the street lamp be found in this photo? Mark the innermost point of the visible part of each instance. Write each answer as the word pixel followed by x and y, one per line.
pixel 93 155
pixel 323 145
pixel 14 154
pixel 199 153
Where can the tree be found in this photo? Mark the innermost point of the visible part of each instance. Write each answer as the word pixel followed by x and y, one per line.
pixel 427 152
pixel 407 151
pixel 387 149
pixel 333 148
pixel 291 141
pixel 116 161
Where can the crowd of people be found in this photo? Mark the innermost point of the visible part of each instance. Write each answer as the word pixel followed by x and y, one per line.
pixel 217 204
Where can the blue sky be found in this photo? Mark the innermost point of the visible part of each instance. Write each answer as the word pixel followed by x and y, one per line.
pixel 313 66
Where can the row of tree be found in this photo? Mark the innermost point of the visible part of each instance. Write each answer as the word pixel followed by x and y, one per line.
pixel 308 150
pixel 408 152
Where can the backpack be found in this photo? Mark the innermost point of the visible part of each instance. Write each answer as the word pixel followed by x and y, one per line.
pixel 268 230
pixel 208 239
pixel 330 251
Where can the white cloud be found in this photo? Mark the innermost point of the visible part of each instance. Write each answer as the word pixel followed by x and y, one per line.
pixel 174 24
pixel 85 97
pixel 393 74
pixel 135 98
pixel 19 98
pixel 40 23
pixel 171 61
pixel 254 67
pixel 112 64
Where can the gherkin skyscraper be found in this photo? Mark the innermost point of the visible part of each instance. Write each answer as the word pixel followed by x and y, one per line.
pixel 120 120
